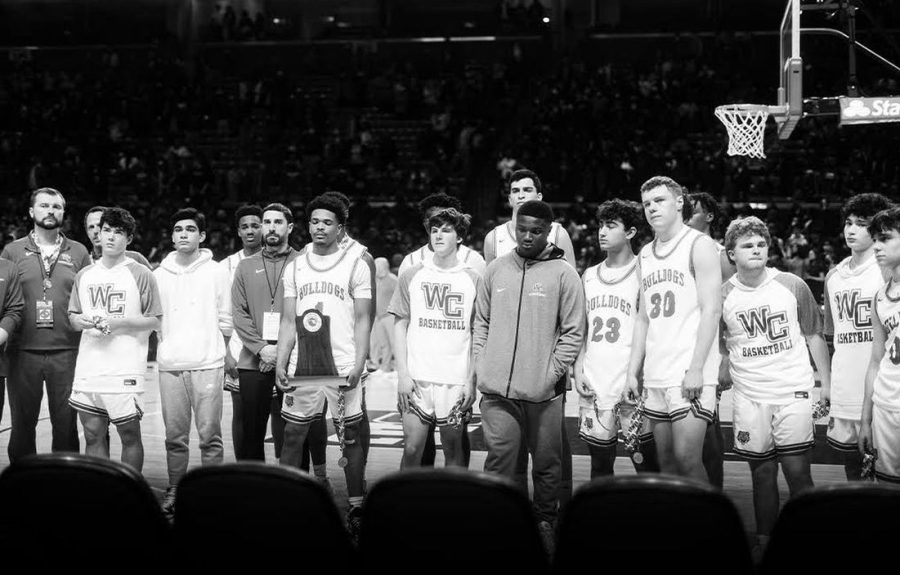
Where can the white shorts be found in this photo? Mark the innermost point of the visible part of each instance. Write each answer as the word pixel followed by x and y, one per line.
pixel 667 404
pixel 600 427
pixel 119 408
pixel 436 401
pixel 843 434
pixel 765 430
pixel 306 403
pixel 885 431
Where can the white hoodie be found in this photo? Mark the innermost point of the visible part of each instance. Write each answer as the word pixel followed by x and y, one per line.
pixel 196 303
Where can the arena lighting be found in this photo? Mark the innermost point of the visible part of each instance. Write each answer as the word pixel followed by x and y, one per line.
pixel 276 20
pixel 546 20
pixel 428 39
pixel 759 206
pixel 472 38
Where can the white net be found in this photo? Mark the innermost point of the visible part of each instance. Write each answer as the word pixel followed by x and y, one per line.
pixel 746 125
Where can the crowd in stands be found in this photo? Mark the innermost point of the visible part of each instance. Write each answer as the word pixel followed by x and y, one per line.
pixel 150 131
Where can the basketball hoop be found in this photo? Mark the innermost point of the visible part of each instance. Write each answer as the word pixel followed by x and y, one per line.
pixel 746 125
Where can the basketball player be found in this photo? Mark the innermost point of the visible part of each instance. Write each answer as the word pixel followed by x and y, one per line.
pixel 675 329
pixel 529 327
pixel 771 326
pixel 248 219
pixel 611 291
pixel 525 186
pixel 92 229
pixel 707 216
pixel 257 294
pixel 879 430
pixel 115 304
pixel 850 289
pixel 327 312
pixel 429 206
pixel 433 307
pixel 196 327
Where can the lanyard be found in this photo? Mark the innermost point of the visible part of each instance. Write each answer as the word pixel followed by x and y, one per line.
pixel 47 265
pixel 273 291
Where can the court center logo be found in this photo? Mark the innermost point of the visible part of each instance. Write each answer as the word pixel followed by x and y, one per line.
pixel 761 320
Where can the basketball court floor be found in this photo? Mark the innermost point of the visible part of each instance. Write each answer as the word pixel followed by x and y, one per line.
pixel 387 438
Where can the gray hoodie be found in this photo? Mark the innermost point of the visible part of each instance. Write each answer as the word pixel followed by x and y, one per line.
pixel 538 327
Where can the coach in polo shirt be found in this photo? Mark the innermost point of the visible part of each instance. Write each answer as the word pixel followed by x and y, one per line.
pixel 45 347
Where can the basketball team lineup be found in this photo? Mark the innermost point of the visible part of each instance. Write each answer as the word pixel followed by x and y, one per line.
pixel 311 357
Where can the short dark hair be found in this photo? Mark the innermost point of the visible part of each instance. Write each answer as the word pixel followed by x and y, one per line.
pixel 50 191
pixel 247 210
pixel 189 214
pixel 657 181
pixel 342 198
pixel 276 207
pixel 119 218
pixel 631 214
pixel 709 205
pixel 537 209
pixel 865 205
pixel 455 218
pixel 93 210
pixel 884 221
pixel 327 202
pixel 438 200
pixel 521 175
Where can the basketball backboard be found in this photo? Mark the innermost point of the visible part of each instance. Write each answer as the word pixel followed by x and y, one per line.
pixel 790 88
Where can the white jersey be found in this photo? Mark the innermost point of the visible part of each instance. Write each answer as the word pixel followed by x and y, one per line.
pixel 113 363
pixel 330 284
pixel 505 239
pixel 611 300
pixel 765 333
pixel 439 304
pixel 886 388
pixel 849 294
pixel 231 264
pixel 670 297
pixel 465 254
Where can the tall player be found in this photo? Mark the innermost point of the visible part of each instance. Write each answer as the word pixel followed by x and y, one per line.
pixel 879 429
pixel 771 327
pixel 115 304
pixel 850 289
pixel 675 331
pixel 706 217
pixel 526 186
pixel 248 219
pixel 327 312
pixel 433 308
pixel 611 291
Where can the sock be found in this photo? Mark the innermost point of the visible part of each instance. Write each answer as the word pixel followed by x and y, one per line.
pixel 355 501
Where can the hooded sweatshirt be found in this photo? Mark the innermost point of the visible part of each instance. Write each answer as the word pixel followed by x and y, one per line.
pixel 538 327
pixel 196 303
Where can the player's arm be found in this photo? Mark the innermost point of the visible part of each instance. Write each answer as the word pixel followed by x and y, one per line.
pixel 822 360
pixel 564 242
pixel 828 331
pixel 638 344
pixel 708 273
pixel 725 380
pixel 482 319
pixel 226 322
pixel 362 325
pixel 286 338
pixel 13 305
pixel 405 385
pixel 811 326
pixel 77 319
pixel 578 371
pixel 878 343
pixel 489 254
pixel 728 268
pixel 370 262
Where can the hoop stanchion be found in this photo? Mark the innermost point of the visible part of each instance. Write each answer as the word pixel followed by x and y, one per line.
pixel 746 125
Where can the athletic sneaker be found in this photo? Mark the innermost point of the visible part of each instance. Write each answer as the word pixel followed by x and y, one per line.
pixel 168 504
pixel 548 537
pixel 354 517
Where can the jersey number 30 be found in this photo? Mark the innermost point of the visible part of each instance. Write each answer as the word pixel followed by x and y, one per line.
pixel 662 303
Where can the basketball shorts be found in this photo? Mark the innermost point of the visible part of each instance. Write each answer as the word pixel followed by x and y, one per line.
pixel 667 404
pixel 306 403
pixel 600 427
pixel 843 434
pixel 119 408
pixel 766 430
pixel 435 401
pixel 885 431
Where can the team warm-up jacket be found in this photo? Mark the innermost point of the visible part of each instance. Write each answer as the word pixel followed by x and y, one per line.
pixel 537 306
pixel 256 280
pixel 11 304
pixel 27 256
